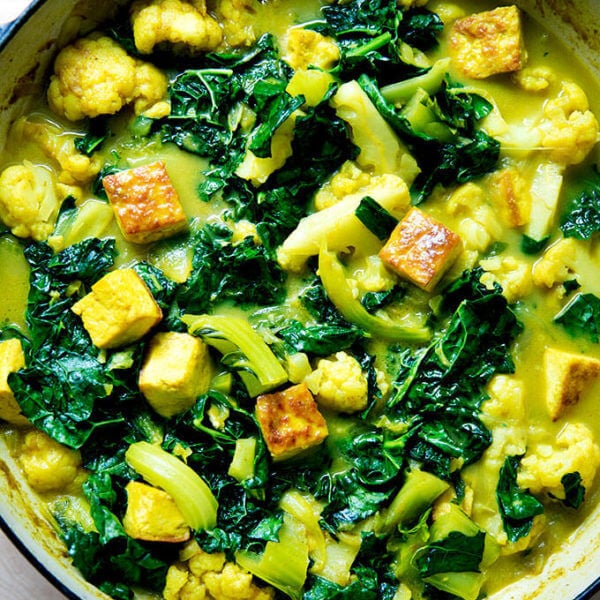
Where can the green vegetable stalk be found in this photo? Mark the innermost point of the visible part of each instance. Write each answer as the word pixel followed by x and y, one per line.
pixel 192 496
pixel 340 293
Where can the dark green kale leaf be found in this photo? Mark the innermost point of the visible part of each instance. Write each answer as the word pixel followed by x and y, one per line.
pixel 374 301
pixel 320 340
pixel 581 316
pixel 439 392
pixel 574 490
pixel 420 28
pixel 375 218
pixel 456 553
pixel 244 273
pixel 581 219
pixel 369 35
pixel 517 506
pixel 64 377
pixel 93 140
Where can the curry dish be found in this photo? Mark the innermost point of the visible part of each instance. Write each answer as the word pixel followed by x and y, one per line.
pixel 301 299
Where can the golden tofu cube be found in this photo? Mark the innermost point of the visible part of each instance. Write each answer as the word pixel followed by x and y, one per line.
pixel 421 249
pixel 119 310
pixel 176 370
pixel 290 421
pixel 567 376
pixel 11 360
pixel 488 43
pixel 510 195
pixel 145 203
pixel 152 515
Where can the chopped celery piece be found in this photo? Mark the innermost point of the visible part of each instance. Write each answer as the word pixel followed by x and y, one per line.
pixel 403 91
pixel 423 120
pixel 283 564
pixel 192 496
pixel 465 585
pixel 418 493
pixel 242 464
pixel 340 293
pixel 260 370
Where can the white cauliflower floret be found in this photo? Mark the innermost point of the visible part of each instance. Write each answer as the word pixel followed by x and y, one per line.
pixel 574 450
pixel 58 145
pixel 48 465
pixel 95 76
pixel 208 577
pixel 349 179
pixel 513 275
pixel 339 384
pixel 29 202
pixel 569 129
pixel 183 24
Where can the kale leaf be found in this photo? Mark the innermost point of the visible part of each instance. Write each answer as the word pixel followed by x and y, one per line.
pixel 581 316
pixel 517 506
pixel 581 219
pixel 375 218
pixel 456 553
pixel 574 490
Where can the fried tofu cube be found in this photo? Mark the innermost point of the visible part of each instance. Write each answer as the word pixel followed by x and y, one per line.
pixel 119 310
pixel 567 376
pixel 421 249
pixel 11 360
pixel 145 203
pixel 176 370
pixel 510 195
pixel 290 421
pixel 488 43
pixel 152 515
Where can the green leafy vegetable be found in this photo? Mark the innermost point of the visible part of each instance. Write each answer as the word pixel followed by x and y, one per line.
pixel 581 316
pixel 375 218
pixel 517 506
pixel 574 490
pixel 458 552
pixel 582 217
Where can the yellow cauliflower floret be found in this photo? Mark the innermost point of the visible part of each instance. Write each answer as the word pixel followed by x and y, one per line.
pixel 48 465
pixel 95 76
pixel 349 179
pixel 305 48
pixel 58 145
pixel 29 202
pixel 534 79
pixel 569 129
pixel 512 274
pixel 559 263
pixel 237 18
pixel 183 24
pixel 339 384
pixel 203 576
pixel 574 450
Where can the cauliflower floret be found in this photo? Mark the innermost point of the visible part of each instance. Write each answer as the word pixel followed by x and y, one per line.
pixel 95 76
pixel 512 274
pixel 48 465
pixel 349 179
pixel 203 576
pixel 534 79
pixel 184 24
pixel 575 450
pixel 558 264
pixel 339 384
pixel 237 18
pixel 29 202
pixel 305 48
pixel 569 129
pixel 76 168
